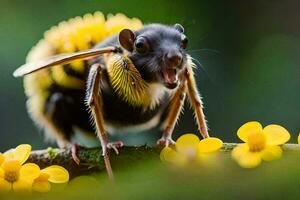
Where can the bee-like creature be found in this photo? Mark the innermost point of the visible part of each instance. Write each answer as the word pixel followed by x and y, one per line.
pixel 117 72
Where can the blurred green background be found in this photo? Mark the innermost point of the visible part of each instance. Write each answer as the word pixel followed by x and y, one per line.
pixel 249 51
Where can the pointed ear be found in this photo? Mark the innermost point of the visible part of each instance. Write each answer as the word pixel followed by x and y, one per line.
pixel 126 39
pixel 179 27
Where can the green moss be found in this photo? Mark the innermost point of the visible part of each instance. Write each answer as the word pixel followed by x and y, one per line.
pixel 52 152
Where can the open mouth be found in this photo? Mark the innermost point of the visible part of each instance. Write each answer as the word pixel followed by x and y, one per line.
pixel 170 76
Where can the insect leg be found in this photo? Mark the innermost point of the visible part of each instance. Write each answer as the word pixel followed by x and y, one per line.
pixel 94 101
pixel 196 102
pixel 173 114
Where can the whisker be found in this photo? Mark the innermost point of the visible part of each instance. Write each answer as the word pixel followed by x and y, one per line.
pixel 203 68
pixel 207 50
pixel 200 64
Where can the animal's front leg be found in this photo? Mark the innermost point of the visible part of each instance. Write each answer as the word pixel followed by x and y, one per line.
pixel 94 101
pixel 196 102
pixel 173 114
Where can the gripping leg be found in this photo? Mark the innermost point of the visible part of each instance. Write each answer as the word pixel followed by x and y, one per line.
pixel 94 101
pixel 173 114
pixel 196 102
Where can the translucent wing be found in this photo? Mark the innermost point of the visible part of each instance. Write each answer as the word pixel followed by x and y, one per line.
pixel 60 60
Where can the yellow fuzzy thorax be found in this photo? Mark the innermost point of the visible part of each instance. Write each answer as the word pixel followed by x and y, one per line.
pixel 126 81
pixel 76 34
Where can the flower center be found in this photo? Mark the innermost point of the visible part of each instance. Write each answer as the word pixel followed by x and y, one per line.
pixel 256 141
pixel 11 170
pixel 11 176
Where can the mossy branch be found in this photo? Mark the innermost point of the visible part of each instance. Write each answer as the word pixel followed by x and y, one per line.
pixel 91 159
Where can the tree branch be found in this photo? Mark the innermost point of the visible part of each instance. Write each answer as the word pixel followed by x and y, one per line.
pixel 91 159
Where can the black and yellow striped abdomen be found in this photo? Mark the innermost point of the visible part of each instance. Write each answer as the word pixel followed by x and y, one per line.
pixel 76 34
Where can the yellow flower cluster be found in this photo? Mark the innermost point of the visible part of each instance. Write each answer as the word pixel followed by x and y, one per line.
pixel 260 144
pixel 190 148
pixel 15 175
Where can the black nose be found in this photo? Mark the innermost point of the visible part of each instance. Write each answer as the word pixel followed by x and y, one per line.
pixel 173 58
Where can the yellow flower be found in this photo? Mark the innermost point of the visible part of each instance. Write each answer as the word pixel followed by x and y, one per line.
pixel 190 148
pixel 260 143
pixel 298 140
pixel 14 174
pixel 52 174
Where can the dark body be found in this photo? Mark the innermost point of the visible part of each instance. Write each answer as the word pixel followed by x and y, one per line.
pixel 67 108
pixel 139 82
pixel 142 86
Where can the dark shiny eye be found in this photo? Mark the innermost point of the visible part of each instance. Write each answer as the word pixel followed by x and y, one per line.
pixel 141 45
pixel 184 42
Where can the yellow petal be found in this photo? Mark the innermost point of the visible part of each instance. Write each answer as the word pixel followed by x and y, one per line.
pixel 276 135
pixel 29 171
pixel 1 173
pixel 5 186
pixel 244 157
pixel 210 144
pixel 249 160
pixel 271 153
pixel 57 174
pixel 11 165
pixel 41 186
pixel 43 177
pixel 239 150
pixel 187 141
pixel 22 185
pixel 164 153
pixel 299 139
pixel 1 158
pixel 22 152
pixel 9 155
pixel 247 128
pixel 170 155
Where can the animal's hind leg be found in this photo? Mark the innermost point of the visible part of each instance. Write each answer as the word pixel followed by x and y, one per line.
pixel 59 121
pixel 94 101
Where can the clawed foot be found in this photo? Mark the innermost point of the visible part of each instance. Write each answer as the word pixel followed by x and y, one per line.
pixel 204 132
pixel 115 146
pixel 165 141
pixel 105 147
pixel 74 148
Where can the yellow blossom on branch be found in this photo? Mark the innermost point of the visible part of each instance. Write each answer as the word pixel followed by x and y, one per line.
pixel 20 177
pixel 260 144
pixel 52 174
pixel 189 148
pixel 14 174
